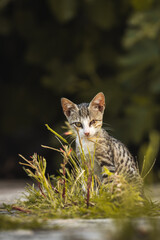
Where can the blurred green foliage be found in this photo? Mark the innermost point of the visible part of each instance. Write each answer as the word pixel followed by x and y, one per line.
pixel 74 48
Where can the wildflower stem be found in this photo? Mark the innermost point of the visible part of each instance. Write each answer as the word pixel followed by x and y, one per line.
pixel 64 183
pixel 89 182
pixel 55 133
pixel 21 209
pixel 39 186
pixel 88 189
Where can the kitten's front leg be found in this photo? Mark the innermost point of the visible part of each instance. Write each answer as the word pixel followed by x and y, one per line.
pixel 105 157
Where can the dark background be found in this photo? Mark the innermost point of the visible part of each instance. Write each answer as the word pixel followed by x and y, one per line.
pixel 75 48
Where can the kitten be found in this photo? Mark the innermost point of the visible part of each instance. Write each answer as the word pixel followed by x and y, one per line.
pixel 87 119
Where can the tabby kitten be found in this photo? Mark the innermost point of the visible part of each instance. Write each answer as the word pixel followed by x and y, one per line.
pixel 87 119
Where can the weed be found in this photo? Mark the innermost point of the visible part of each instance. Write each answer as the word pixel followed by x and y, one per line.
pixel 78 192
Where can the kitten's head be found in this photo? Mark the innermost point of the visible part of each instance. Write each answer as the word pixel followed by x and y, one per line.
pixel 86 118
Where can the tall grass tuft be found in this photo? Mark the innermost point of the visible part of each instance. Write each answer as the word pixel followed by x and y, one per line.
pixel 77 191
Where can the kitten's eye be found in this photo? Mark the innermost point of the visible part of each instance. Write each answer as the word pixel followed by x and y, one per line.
pixel 78 124
pixel 92 122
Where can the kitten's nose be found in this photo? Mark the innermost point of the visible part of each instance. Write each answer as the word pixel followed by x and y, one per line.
pixel 86 133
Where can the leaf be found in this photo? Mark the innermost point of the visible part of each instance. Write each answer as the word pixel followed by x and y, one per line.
pixel 63 10
pixel 106 171
pixel 142 4
pixel 102 13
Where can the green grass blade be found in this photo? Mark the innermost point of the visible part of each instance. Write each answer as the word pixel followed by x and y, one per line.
pixel 55 133
pixel 151 154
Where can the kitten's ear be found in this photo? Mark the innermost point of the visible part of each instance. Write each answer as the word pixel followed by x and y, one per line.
pixel 68 106
pixel 98 102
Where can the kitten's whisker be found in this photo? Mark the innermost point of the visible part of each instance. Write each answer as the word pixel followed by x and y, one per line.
pixel 106 123
pixel 98 126
pixel 68 137
pixel 108 129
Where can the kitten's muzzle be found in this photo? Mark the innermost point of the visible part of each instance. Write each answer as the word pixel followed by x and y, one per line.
pixel 86 134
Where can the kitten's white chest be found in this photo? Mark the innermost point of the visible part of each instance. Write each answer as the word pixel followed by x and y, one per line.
pixel 89 150
pixel 88 146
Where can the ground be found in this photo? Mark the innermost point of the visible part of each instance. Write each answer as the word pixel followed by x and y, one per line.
pixel 70 229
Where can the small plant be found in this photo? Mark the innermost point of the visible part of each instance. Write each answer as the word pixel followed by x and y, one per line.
pixel 78 192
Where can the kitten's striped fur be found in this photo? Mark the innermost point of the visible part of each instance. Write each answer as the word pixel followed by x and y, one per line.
pixel 87 119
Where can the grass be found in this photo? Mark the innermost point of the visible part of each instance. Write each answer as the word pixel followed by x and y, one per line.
pixel 10 222
pixel 77 192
